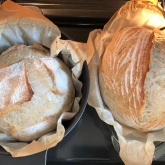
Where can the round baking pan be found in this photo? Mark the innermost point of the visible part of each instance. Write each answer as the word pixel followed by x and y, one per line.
pixel 84 78
pixel 159 146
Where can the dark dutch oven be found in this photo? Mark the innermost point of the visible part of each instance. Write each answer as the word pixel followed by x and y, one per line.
pixel 159 146
pixel 84 78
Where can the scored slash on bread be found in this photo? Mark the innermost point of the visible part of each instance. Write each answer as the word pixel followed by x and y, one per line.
pixel 35 90
pixel 14 87
pixel 59 77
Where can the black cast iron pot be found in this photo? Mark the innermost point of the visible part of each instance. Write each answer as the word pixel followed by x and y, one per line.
pixel 70 124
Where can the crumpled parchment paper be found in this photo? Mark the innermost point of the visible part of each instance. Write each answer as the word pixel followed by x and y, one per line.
pixel 20 25
pixel 135 147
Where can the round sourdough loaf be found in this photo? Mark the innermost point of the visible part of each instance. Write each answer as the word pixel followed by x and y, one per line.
pixel 132 78
pixel 35 89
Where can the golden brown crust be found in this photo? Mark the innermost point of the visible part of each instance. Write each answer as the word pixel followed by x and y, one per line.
pixel 30 91
pixel 123 69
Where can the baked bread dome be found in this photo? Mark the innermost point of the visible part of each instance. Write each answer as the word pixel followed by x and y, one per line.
pixel 132 78
pixel 35 89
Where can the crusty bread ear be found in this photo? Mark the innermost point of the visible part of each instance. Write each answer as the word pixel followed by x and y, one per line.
pixel 34 90
pixel 130 77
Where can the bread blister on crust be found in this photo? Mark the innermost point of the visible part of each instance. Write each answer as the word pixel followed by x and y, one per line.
pixel 37 112
pixel 124 67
